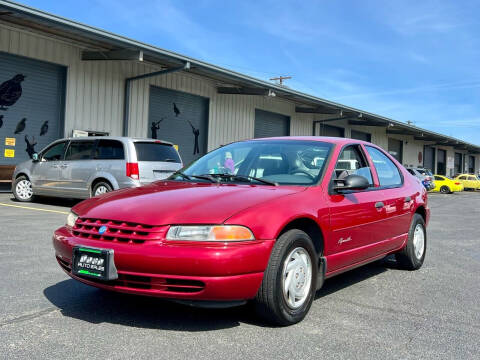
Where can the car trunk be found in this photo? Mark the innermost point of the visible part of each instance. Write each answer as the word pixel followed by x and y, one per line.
pixel 156 160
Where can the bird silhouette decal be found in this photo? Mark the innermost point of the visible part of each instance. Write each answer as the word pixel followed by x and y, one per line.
pixel 10 91
pixel 44 128
pixel 20 126
pixel 1 121
pixel 176 110
pixel 30 146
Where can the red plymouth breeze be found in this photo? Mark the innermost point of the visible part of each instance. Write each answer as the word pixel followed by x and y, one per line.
pixel 265 220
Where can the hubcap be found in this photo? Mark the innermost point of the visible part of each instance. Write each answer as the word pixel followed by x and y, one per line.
pixel 24 189
pixel 419 241
pixel 101 190
pixel 297 277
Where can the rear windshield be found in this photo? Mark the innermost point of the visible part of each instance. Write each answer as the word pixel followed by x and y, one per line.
pixel 149 151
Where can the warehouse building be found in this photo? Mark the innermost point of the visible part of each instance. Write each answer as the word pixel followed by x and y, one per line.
pixel 60 78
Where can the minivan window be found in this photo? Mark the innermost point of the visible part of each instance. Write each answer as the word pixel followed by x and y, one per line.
pixel 109 150
pixel 55 152
pixel 388 173
pixel 151 151
pixel 80 150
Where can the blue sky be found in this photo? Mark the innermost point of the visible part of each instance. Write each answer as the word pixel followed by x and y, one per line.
pixel 408 60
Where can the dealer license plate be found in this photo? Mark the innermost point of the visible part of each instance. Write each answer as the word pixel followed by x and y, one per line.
pixel 94 263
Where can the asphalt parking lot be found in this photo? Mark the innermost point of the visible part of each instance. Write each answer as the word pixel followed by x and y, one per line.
pixel 375 312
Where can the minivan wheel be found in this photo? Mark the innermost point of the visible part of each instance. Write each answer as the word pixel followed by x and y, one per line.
pixel 22 189
pixel 412 256
pixel 445 189
pixel 101 188
pixel 289 282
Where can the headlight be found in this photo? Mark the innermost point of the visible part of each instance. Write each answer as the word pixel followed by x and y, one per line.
pixel 221 233
pixel 71 219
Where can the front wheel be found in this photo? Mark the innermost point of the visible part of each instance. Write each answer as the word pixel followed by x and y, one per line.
pixel 289 282
pixel 22 189
pixel 412 256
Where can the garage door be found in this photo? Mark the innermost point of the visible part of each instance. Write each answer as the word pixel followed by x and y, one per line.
pixel 471 164
pixel 32 97
pixel 458 163
pixel 429 158
pixel 320 129
pixel 441 162
pixel 180 118
pixel 360 135
pixel 395 148
pixel 268 124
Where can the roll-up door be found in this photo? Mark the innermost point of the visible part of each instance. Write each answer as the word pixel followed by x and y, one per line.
pixel 395 148
pixel 360 135
pixel 180 118
pixel 321 129
pixel 32 96
pixel 471 164
pixel 429 158
pixel 269 124
pixel 441 162
pixel 458 163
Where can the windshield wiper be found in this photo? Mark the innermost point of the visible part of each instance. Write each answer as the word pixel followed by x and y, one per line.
pixel 246 178
pixel 182 175
pixel 189 177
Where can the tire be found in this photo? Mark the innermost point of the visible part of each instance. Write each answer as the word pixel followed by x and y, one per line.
pixel 101 188
pixel 273 303
pixel 445 189
pixel 22 189
pixel 411 257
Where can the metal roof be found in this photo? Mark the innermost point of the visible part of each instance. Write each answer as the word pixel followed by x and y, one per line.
pixel 94 39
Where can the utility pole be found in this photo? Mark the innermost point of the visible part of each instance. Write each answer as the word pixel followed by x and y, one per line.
pixel 280 79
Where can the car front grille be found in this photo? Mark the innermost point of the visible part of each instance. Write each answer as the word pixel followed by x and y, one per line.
pixel 118 231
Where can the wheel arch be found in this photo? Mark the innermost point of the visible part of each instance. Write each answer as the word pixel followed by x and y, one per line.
pixel 309 226
pixel 98 180
pixel 422 212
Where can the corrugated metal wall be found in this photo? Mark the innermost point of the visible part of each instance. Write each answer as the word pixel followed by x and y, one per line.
pixel 94 98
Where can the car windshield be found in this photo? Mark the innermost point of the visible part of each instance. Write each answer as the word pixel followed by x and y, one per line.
pixel 272 162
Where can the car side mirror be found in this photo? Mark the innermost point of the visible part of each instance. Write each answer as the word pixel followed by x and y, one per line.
pixel 35 157
pixel 351 182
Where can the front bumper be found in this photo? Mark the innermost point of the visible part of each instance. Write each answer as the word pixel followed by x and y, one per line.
pixel 215 272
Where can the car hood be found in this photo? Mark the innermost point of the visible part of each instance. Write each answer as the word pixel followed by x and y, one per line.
pixel 176 202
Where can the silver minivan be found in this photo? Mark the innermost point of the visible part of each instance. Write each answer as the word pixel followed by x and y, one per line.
pixel 91 166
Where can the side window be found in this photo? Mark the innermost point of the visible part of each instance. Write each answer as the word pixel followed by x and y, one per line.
pixel 54 153
pixel 462 178
pixel 109 150
pixel 352 161
pixel 80 150
pixel 472 178
pixel 411 172
pixel 388 173
pixel 438 178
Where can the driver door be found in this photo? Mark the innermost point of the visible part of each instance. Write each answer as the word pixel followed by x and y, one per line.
pixel 45 175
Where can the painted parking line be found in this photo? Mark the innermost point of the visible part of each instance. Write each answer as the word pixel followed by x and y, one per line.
pixel 33 208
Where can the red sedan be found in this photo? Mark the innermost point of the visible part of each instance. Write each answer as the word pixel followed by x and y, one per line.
pixel 265 220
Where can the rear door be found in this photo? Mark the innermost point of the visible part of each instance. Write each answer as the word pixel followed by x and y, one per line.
pixel 46 172
pixel 76 169
pixel 156 160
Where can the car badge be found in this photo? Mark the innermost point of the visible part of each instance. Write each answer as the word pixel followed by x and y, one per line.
pixel 102 229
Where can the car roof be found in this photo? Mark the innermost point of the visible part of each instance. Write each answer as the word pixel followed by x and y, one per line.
pixel 119 138
pixel 328 139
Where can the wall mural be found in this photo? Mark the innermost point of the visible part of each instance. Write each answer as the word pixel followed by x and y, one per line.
pixel 21 126
pixel 30 146
pixel 155 127
pixel 44 129
pixel 176 110
pixel 11 91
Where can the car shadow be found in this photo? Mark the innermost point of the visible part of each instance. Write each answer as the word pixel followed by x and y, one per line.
pixel 93 305
pixel 53 201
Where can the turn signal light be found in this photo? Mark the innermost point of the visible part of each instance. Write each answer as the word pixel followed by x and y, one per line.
pixel 132 171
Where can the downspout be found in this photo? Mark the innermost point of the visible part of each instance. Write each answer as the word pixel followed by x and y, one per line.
pixel 128 81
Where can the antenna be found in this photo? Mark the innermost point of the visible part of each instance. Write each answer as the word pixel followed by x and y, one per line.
pixel 280 79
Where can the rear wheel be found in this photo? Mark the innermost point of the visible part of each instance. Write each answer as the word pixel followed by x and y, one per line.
pixel 412 256
pixel 22 189
pixel 289 282
pixel 445 189
pixel 101 188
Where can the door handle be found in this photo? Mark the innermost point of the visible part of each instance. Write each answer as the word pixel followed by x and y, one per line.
pixel 379 204
pixel 408 199
pixel 63 166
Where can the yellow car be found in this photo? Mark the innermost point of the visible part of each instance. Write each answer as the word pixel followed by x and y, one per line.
pixel 469 181
pixel 446 185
